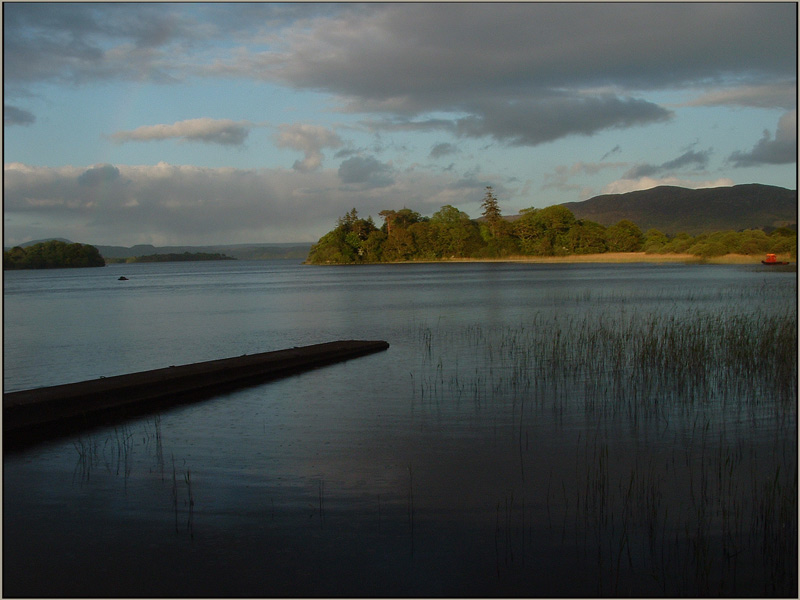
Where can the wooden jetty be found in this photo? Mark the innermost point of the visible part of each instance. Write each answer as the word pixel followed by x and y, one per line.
pixel 42 413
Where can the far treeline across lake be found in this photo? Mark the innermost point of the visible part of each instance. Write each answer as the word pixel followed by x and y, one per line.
pixel 552 231
pixel 57 254
pixel 173 257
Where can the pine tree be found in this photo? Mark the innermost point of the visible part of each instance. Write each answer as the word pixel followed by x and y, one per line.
pixel 491 211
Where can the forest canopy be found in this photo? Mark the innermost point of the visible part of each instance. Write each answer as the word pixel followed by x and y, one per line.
pixel 449 233
pixel 53 255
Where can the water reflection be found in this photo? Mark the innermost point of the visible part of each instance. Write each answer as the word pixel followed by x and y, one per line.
pixel 588 441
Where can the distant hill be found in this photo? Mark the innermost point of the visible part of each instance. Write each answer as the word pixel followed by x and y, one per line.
pixel 673 210
pixel 34 242
pixel 240 251
pixel 292 250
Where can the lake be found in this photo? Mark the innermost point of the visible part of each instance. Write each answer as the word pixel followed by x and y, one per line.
pixel 533 430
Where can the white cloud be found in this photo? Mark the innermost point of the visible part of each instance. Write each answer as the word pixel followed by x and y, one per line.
pixel 309 139
pixel 211 131
pixel 622 186
pixel 772 95
pixel 181 204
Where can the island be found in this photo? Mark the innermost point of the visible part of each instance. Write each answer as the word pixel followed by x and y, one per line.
pixel 551 232
pixel 53 254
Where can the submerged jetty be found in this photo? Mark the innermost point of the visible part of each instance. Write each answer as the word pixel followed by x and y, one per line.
pixel 42 413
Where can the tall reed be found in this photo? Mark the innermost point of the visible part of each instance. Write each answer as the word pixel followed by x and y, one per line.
pixel 711 510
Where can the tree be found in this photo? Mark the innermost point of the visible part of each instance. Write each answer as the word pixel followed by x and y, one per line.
pixel 586 237
pixel 527 229
pixel 491 211
pixel 545 232
pixel 678 244
pixel 399 218
pixel 423 235
pixel 399 245
pixel 625 236
pixel 331 248
pixel 784 245
pixel 346 243
pixel 499 243
pixel 346 222
pixel 754 241
pixel 452 230
pixel 654 241
pixel 373 246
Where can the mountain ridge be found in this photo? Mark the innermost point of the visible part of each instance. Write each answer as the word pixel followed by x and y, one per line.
pixel 672 209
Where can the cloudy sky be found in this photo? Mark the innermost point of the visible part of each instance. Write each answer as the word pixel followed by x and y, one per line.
pixel 242 123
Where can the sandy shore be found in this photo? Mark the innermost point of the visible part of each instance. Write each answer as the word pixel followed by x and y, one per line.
pixel 627 257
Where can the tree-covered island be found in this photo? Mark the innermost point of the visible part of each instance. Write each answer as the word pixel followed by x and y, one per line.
pixel 53 254
pixel 553 231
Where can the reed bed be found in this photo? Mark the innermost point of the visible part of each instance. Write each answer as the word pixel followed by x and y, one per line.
pixel 685 471
pixel 628 363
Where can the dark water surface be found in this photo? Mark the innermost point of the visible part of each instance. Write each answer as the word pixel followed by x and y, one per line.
pixel 533 430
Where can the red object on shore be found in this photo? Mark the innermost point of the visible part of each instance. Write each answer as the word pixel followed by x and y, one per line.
pixel 772 260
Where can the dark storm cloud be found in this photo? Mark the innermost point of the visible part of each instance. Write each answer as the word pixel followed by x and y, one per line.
pixel 615 150
pixel 368 171
pixel 85 42
pixel 695 160
pixel 528 123
pixel 416 57
pixel 16 116
pixel 689 160
pixel 98 175
pixel 503 64
pixel 443 149
pixel 778 150
pixel 534 121
pixel 520 73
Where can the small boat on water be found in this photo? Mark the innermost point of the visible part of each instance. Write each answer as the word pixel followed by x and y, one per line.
pixel 773 260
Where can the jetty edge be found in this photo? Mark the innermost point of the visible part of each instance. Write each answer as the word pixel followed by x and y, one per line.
pixel 41 413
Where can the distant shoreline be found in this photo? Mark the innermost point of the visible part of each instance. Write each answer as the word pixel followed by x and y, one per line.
pixel 629 257
pixel 605 257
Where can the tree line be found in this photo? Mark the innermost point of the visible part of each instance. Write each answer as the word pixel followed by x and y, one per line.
pixel 52 255
pixel 405 235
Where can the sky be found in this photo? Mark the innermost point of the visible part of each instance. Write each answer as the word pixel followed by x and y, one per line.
pixel 225 123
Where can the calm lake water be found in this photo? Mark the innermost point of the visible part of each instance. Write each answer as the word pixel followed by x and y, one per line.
pixel 533 430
